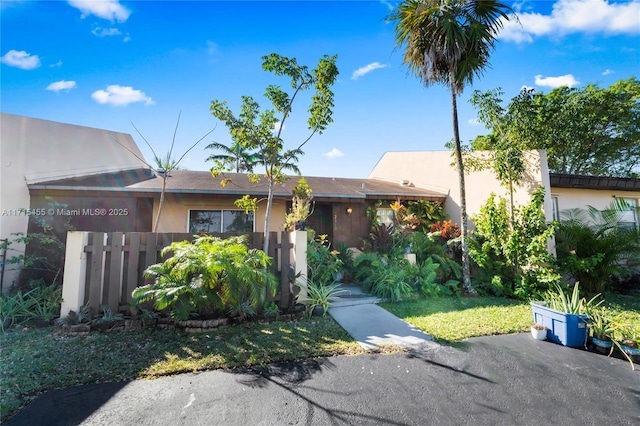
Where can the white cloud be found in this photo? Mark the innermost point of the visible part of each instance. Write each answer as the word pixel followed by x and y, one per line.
pixel 126 38
pixel 105 32
pixel 110 10
pixel 366 70
pixel 575 16
pixel 20 59
pixel 61 85
pixel 212 47
pixel 56 65
pixel 473 121
pixel 525 87
pixel 608 72
pixel 388 5
pixel 334 153
pixel 564 80
pixel 117 95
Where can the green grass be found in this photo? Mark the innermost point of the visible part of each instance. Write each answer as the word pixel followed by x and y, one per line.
pixel 453 319
pixel 36 360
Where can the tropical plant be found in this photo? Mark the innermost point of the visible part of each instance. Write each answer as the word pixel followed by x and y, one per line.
pixel 561 300
pixel 236 157
pixel 319 295
pixel 322 261
pixel 210 276
pixel 346 256
pixel 602 323
pixel 301 205
pixel 163 166
pixel 449 42
pixel 254 130
pixel 381 238
pixel 513 256
pixel 594 249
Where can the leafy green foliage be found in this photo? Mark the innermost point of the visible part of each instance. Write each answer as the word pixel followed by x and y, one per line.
pixel 322 262
pixel 43 256
pixel 588 130
pixel 514 259
pixel 594 249
pixel 41 302
pixel 319 295
pixel 209 277
pixel 559 299
pixel 449 42
pixel 301 205
pixel 253 130
pixel 391 279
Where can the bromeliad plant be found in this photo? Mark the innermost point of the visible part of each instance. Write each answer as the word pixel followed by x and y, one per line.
pixel 209 277
pixel 319 295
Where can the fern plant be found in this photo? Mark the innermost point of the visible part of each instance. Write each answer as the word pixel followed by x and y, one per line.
pixel 209 277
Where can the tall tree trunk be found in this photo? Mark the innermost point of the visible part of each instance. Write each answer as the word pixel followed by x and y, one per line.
pixel 466 270
pixel 164 185
pixel 267 217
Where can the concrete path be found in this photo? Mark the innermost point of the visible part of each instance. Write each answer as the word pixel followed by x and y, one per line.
pixel 373 327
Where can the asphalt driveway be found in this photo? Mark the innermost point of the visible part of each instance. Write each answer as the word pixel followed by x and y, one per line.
pixel 510 380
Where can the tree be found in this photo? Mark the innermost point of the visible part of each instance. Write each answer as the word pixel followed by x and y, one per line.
pixel 234 156
pixel 165 165
pixel 262 131
pixel 589 131
pixel 449 42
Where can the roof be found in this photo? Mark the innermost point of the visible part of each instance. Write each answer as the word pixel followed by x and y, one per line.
pixel 201 182
pixel 561 180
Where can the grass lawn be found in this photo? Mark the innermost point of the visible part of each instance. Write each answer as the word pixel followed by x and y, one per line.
pixel 448 319
pixel 34 361
pixel 453 319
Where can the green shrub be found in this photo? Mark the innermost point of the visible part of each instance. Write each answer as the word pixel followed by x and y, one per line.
pixel 209 277
pixel 322 262
pixel 593 249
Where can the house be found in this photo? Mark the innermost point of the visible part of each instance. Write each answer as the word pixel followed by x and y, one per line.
pixel 33 151
pixel 99 185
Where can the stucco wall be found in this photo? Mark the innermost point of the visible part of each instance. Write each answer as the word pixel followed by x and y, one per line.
pixel 436 170
pixel 175 212
pixel 570 198
pixel 34 150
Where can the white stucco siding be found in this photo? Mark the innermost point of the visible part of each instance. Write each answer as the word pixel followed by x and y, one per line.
pixel 571 198
pixel 34 150
pixel 436 170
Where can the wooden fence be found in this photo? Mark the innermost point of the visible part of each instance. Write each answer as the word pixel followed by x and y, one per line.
pixel 102 269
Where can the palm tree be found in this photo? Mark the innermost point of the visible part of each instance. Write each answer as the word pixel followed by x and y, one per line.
pixel 449 42
pixel 236 155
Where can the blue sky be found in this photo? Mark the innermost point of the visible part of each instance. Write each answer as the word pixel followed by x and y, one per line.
pixel 115 64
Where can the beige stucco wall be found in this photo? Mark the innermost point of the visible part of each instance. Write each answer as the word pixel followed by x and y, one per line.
pixel 175 212
pixel 34 150
pixel 436 170
pixel 570 198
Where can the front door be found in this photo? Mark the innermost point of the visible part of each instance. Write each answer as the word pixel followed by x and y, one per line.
pixel 321 220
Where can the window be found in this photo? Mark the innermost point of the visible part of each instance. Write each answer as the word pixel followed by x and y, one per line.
pixel 555 210
pixel 385 216
pixel 629 216
pixel 220 221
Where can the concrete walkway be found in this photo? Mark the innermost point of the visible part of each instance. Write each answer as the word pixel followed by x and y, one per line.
pixel 373 327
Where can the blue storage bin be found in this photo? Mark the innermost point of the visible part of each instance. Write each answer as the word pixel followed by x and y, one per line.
pixel 566 329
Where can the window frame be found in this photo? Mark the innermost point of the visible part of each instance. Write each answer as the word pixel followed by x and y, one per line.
pixel 222 219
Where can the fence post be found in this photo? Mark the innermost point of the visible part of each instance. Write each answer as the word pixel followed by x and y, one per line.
pixel 299 257
pixel 75 269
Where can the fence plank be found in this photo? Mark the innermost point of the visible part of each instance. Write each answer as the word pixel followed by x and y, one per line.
pixel 151 252
pixel 95 282
pixel 132 260
pixel 285 262
pixel 115 271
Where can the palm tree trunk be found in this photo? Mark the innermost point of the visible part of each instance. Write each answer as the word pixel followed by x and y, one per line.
pixel 164 184
pixel 466 270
